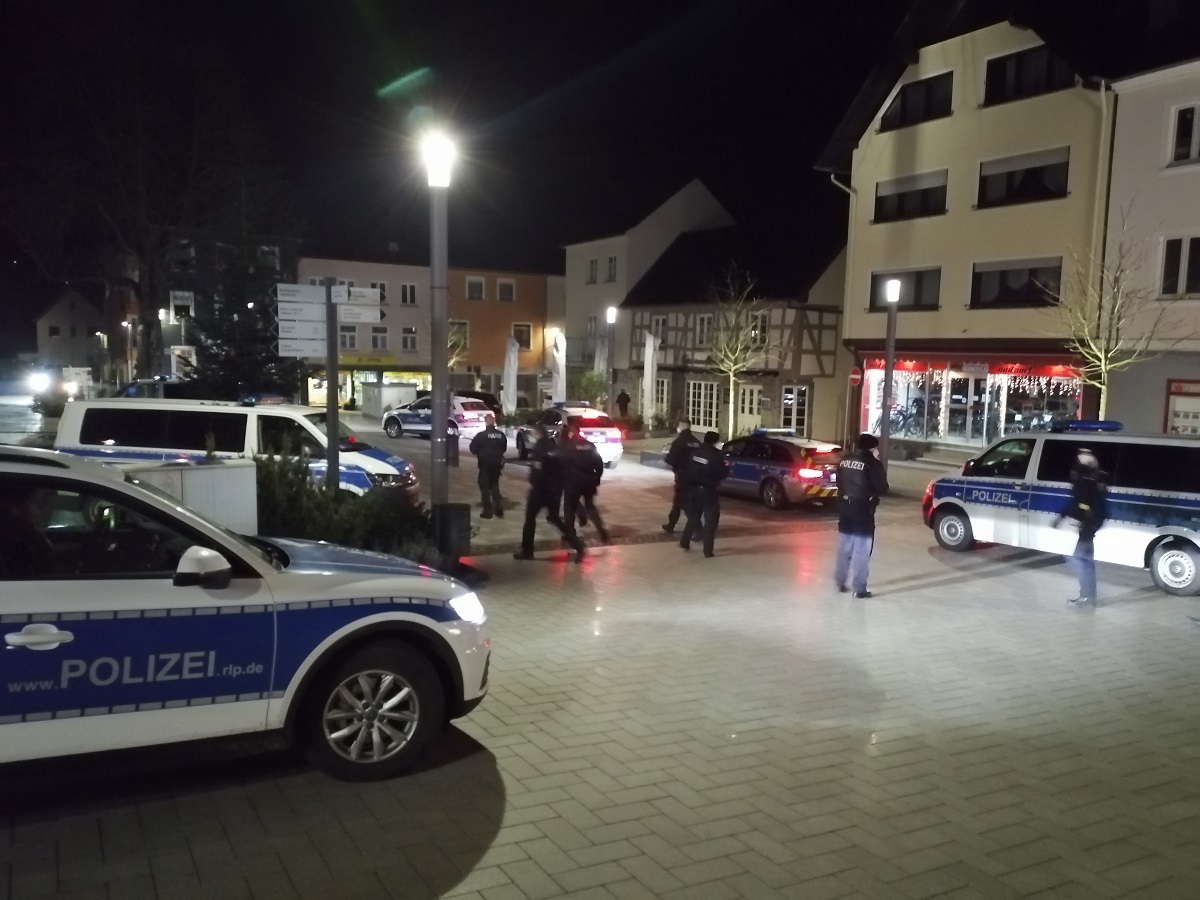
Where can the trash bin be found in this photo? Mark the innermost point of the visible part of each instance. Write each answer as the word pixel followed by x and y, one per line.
pixel 452 528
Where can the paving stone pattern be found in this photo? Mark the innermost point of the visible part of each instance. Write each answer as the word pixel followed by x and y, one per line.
pixel 662 725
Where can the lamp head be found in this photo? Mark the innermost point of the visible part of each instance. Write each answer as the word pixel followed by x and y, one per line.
pixel 438 153
pixel 893 290
pixel 611 315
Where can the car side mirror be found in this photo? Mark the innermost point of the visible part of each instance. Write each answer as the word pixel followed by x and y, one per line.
pixel 200 567
pixel 968 467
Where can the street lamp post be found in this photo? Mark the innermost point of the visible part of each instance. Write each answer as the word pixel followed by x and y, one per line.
pixel 438 152
pixel 885 416
pixel 611 318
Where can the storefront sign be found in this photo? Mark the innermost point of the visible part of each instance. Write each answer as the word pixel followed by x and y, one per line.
pixel 348 359
pixel 977 369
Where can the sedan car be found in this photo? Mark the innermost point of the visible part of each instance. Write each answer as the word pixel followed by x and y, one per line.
pixel 467 418
pixel 130 620
pixel 594 425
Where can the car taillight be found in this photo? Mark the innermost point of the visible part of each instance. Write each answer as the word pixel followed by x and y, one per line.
pixel 809 473
pixel 459 417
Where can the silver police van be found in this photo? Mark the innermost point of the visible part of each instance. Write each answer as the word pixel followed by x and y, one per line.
pixel 1013 491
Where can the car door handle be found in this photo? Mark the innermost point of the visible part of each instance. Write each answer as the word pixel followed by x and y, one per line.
pixel 38 636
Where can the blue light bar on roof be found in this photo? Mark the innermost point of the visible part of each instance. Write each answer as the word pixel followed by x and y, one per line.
pixel 1088 425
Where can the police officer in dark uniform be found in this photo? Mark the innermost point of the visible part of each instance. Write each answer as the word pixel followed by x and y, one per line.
pixel 704 470
pixel 545 489
pixel 681 448
pixel 587 500
pixel 581 464
pixel 489 447
pixel 1089 507
pixel 861 481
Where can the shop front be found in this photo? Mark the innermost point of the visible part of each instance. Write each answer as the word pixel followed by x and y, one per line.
pixel 968 402
pixel 366 370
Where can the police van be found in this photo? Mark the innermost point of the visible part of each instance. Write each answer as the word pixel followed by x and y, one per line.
pixel 128 430
pixel 129 620
pixel 1013 492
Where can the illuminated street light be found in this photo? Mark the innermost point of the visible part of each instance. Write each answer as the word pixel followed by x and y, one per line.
pixel 885 423
pixel 611 317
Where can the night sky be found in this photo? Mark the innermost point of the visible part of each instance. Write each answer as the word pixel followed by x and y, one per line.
pixel 575 117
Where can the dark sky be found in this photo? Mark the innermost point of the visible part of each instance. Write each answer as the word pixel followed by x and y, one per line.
pixel 575 117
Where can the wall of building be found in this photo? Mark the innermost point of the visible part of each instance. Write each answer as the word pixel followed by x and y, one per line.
pixel 965 235
pixel 1138 397
pixel 492 320
pixel 66 333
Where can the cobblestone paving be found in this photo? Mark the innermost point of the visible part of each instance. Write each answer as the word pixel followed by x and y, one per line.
pixel 662 725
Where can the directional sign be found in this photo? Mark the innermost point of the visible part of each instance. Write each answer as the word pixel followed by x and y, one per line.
pixel 311 331
pixel 300 312
pixel 300 293
pixel 364 296
pixel 355 313
pixel 294 347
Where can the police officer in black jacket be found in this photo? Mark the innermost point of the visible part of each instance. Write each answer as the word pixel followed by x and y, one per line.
pixel 545 490
pixel 489 447
pixel 861 481
pixel 704 469
pixel 581 468
pixel 681 448
pixel 1089 507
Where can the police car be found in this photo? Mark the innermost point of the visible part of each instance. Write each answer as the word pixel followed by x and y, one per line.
pixel 781 469
pixel 129 620
pixel 593 425
pixel 467 418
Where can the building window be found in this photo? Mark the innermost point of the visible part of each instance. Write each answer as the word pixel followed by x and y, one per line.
pixel 379 337
pixel 702 407
pixel 506 290
pixel 348 337
pixel 661 395
pixel 793 409
pixel 54 331
pixel 1025 74
pixel 1032 282
pixel 612 269
pixel 183 306
pixel 704 327
pixel 919 101
pixel 408 294
pixel 1025 178
pixel 919 289
pixel 1181 271
pixel 591 326
pixel 268 258
pixel 346 282
pixel 381 286
pixel 658 326
pixel 183 256
pixel 1186 143
pixel 460 333
pixel 911 197
pixel 593 266
pixel 474 288
pixel 314 281
pixel 760 328
pixel 408 338
pixel 523 332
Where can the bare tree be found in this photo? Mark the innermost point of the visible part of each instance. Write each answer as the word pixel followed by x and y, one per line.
pixel 1112 320
pixel 742 338
pixel 456 344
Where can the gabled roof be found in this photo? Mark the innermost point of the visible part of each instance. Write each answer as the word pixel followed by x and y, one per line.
pixel 696 262
pixel 1100 39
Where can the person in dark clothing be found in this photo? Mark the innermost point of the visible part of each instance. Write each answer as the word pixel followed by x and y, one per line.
pixel 861 482
pixel 703 472
pixel 623 404
pixel 586 510
pixel 545 488
pixel 581 468
pixel 24 551
pixel 1089 507
pixel 489 447
pixel 681 449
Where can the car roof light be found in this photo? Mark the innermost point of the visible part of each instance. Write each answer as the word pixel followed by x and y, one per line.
pixel 1090 425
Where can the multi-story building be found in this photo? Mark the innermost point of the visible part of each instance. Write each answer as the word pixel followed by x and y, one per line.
pixel 1154 243
pixel 707 280
pixel 70 333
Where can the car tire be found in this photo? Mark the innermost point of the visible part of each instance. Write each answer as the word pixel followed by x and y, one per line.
pixel 392 428
pixel 341 727
pixel 1175 568
pixel 522 450
pixel 773 495
pixel 952 529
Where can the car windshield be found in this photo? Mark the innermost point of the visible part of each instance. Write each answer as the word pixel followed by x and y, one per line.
pixel 592 421
pixel 250 545
pixel 347 439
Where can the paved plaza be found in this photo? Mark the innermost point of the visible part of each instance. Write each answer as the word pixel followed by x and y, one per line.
pixel 664 725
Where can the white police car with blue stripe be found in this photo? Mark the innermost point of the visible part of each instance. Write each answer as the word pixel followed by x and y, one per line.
pixel 129 620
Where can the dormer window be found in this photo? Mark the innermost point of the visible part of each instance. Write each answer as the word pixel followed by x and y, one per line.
pixel 919 101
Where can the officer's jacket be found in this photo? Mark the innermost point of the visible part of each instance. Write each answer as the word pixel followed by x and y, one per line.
pixel 704 466
pixel 582 465
pixel 489 447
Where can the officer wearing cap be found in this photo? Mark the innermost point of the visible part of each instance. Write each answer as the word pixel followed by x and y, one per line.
pixel 1089 507
pixel 861 482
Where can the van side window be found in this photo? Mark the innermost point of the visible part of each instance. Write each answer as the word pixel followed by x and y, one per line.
pixel 105 427
pixel 193 430
pixel 1007 460
pixel 280 434
pixel 1160 467
pixel 1058 457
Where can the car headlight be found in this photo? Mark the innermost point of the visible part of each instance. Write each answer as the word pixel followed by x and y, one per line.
pixel 469 609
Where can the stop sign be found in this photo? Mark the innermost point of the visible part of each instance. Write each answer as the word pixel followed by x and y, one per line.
pixel 855 376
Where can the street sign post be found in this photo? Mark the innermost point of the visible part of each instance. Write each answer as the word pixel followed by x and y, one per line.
pixel 855 377
pixel 359 313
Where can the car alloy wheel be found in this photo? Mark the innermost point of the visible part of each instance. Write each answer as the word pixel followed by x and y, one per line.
pixel 392 428
pixel 773 494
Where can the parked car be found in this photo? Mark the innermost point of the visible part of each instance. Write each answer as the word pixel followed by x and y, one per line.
pixel 466 417
pixel 593 425
pixel 129 620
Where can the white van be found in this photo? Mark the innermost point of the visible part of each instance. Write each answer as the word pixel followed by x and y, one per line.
pixel 1012 493
pixel 120 430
